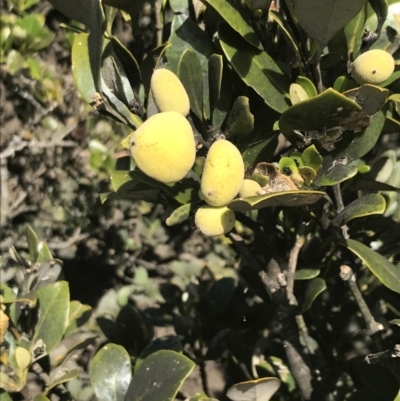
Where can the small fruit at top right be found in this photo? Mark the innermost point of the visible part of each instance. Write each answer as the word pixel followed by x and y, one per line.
pixel 372 67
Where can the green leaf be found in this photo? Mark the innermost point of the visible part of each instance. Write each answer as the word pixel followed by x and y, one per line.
pixel 364 206
pixel 306 274
pixel 33 244
pixel 371 98
pixel 189 72
pixel 353 32
pixel 322 19
pixel 201 397
pixel 78 10
pixel 297 94
pixel 127 184
pixel 180 214
pixel 255 390
pixel 233 14
pixel 224 101
pixel 312 158
pixel 110 373
pixel 287 30
pixel 169 342
pixel 81 70
pixel 240 121
pixel 44 254
pixel 185 34
pixel 364 142
pixel 53 314
pixel 215 68
pixel 167 369
pixel 336 175
pixel 329 110
pixel 387 273
pixel 314 288
pixel 307 85
pixel 343 84
pixel 256 68
pixel 72 374
pixel 78 315
pixel 287 198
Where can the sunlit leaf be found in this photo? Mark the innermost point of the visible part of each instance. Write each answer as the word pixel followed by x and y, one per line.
pixel 387 273
pixel 256 68
pixel 306 274
pixel 167 369
pixel 240 121
pixel 110 373
pixel 53 314
pixel 286 198
pixel 233 14
pixel 33 243
pixel 365 206
pixel 78 315
pixel 254 390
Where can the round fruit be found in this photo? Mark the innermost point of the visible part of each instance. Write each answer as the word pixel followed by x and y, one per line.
pixel 214 221
pixel 249 188
pixel 163 147
pixel 223 173
pixel 168 92
pixel 372 67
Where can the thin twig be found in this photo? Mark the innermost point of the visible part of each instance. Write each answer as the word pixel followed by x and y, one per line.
pixel 339 207
pixel 294 255
pixel 347 274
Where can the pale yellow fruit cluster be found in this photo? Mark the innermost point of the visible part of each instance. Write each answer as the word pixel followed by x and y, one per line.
pixel 221 181
pixel 372 67
pixel 164 147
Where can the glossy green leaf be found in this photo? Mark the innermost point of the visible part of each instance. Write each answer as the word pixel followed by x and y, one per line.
pixel 307 85
pixel 322 19
pixel 371 98
pixel 255 390
pixel 53 314
pixel 110 373
pixel 215 69
pixel 287 198
pixel 79 314
pixel 256 68
pixel 199 397
pixel 312 158
pixel 354 31
pixel 240 120
pixel 189 72
pixel 289 163
pixel 336 175
pixel 314 288
pixel 233 14
pixel 343 84
pixel 381 11
pixel 387 273
pixel 167 369
pixel 81 70
pixel 33 243
pixel 361 207
pixel 169 342
pixel 306 274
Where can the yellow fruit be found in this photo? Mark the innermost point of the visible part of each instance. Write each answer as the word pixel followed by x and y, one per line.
pixel 214 221
pixel 372 67
pixel 249 188
pixel 223 173
pixel 168 92
pixel 163 147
